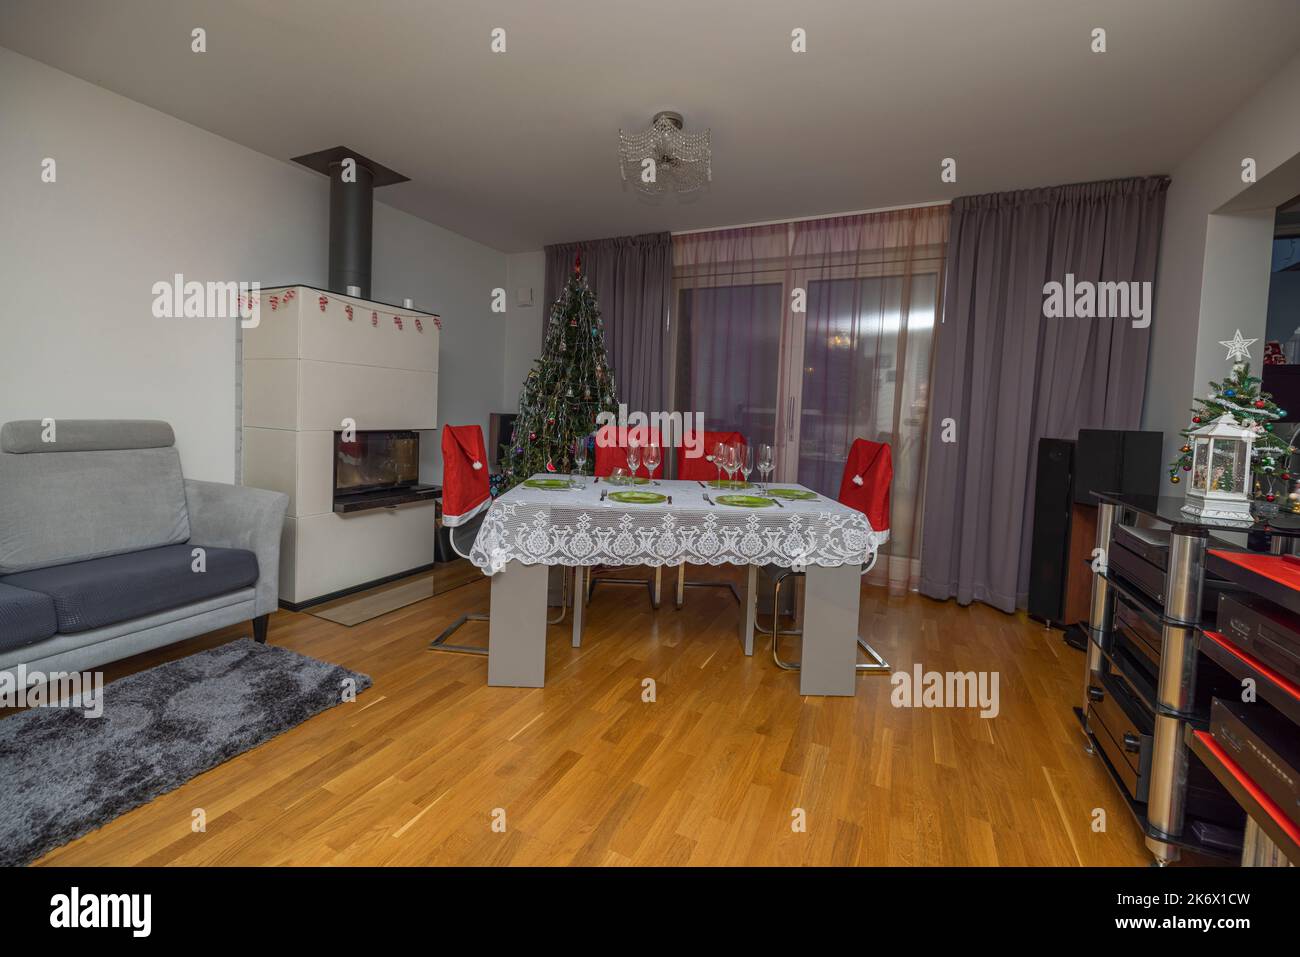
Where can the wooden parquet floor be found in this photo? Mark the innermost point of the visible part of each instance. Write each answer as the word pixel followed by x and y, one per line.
pixel 584 771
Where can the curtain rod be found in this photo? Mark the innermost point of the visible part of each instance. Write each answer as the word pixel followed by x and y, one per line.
pixel 806 219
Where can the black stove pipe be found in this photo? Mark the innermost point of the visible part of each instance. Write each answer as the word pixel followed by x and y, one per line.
pixel 352 214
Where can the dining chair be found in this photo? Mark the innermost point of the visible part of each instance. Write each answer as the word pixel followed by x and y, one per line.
pixel 701 469
pixel 865 486
pixel 611 454
pixel 465 501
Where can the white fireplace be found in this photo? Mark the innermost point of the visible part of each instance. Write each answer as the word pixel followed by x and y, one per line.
pixel 321 363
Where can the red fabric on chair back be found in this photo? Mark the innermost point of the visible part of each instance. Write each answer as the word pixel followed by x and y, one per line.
pixel 702 469
pixel 610 456
pixel 465 488
pixel 868 474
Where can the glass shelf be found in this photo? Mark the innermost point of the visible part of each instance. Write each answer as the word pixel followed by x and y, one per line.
pixel 1169 510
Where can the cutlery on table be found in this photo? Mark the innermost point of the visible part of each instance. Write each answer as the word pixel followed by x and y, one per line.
pixel 670 500
pixel 778 503
pixel 707 499
pixel 603 493
pixel 703 486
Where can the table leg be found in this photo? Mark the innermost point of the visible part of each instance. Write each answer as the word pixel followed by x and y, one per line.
pixel 830 630
pixel 517 630
pixel 658 586
pixel 681 584
pixel 748 609
pixel 579 606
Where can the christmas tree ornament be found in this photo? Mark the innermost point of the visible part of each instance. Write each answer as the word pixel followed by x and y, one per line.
pixel 1221 456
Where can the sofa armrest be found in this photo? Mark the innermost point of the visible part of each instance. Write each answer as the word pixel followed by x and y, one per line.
pixel 235 516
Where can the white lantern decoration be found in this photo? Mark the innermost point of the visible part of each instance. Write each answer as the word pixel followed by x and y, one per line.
pixel 1220 478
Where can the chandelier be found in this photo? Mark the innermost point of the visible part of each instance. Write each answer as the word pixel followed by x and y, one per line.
pixel 664 159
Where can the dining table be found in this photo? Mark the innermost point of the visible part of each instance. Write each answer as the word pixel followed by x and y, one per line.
pixel 579 522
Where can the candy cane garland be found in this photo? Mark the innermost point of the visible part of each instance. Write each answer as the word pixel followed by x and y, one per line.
pixel 323 301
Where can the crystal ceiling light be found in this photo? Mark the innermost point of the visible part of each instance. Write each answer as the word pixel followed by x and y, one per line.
pixel 664 159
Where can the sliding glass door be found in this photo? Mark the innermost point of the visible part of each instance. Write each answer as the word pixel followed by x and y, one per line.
pixel 811 335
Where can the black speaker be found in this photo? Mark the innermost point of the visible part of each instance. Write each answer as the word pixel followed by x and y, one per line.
pixel 1050 546
pixel 1102 460
pixel 1114 460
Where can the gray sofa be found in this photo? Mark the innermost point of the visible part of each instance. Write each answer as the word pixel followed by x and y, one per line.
pixel 106 550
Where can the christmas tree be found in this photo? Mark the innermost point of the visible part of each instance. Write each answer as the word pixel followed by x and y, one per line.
pixel 565 389
pixel 1239 396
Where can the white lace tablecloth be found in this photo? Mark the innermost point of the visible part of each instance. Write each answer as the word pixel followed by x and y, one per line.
pixel 574 527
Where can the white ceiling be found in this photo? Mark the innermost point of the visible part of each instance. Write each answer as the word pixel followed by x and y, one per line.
pixel 519 149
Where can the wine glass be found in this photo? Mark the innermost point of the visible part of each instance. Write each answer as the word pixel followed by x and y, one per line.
pixel 618 475
pixel 746 461
pixel 580 455
pixel 765 465
pixel 652 458
pixel 719 460
pixel 732 463
pixel 633 457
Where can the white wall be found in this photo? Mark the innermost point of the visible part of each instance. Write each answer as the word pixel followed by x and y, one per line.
pixel 1214 262
pixel 523 324
pixel 141 195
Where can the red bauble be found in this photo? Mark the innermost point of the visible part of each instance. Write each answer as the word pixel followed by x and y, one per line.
pixel 1269 497
pixel 1260 403
pixel 1196 420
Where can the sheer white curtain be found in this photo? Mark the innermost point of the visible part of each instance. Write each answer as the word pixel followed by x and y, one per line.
pixel 810 334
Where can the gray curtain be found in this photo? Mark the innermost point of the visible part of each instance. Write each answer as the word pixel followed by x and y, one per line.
pixel 1007 376
pixel 632 278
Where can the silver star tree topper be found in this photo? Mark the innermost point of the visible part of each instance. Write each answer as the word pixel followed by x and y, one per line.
pixel 1238 348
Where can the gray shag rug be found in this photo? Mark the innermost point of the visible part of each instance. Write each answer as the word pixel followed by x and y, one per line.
pixel 63 774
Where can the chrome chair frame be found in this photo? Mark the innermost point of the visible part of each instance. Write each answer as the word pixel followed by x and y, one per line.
pixel 877 665
pixel 440 643
pixel 683 584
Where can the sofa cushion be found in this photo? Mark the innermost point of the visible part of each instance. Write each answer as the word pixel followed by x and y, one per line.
pixel 25 617
pixel 61 507
pixel 105 591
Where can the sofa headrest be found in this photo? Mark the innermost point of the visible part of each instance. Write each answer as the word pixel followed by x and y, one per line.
pixel 85 435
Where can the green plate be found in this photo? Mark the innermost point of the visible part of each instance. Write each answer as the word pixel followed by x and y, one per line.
pixel 723 483
pixel 798 494
pixel 637 498
pixel 547 483
pixel 744 501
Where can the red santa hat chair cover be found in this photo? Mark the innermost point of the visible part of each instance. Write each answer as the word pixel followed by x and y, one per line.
pixel 702 469
pixel 465 489
pixel 868 477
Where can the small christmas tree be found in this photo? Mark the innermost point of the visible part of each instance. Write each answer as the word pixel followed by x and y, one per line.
pixel 1238 395
pixel 565 389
